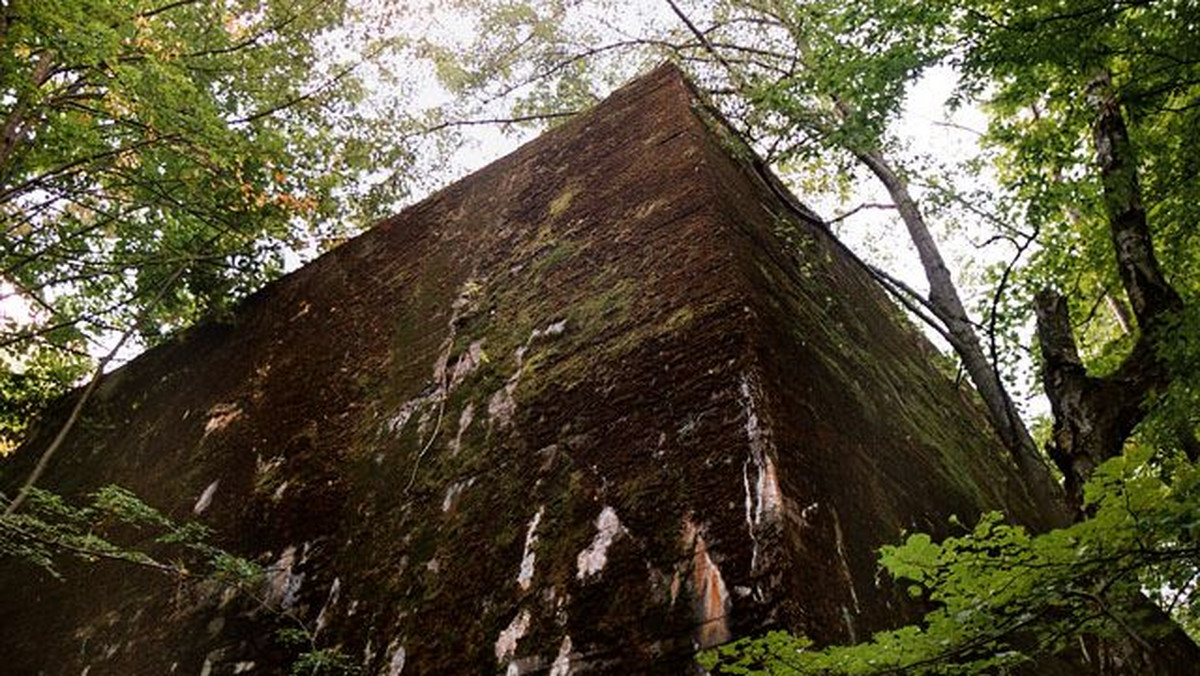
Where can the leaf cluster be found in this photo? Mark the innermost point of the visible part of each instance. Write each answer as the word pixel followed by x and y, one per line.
pixel 1031 64
pixel 1003 597
pixel 114 526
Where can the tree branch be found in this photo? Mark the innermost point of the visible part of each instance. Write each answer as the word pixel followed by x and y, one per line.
pixel 1149 293
pixel 82 399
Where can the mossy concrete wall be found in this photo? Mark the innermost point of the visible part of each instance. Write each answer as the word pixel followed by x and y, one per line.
pixel 605 401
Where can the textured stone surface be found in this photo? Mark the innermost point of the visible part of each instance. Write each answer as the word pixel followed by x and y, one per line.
pixel 608 399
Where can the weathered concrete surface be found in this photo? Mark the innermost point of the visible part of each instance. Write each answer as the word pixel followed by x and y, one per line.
pixel 606 400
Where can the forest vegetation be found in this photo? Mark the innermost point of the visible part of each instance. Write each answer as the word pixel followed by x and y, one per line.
pixel 161 159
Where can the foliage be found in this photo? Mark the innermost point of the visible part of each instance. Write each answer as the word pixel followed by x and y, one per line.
pixel 51 527
pixel 28 391
pixel 776 67
pixel 1032 64
pixel 115 526
pixel 324 661
pixel 144 140
pixel 313 660
pixel 1003 596
pixel 158 161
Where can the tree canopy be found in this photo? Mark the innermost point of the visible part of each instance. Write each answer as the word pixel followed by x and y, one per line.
pixel 158 158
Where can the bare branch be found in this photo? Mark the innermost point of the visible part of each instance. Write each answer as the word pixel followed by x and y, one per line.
pixel 867 205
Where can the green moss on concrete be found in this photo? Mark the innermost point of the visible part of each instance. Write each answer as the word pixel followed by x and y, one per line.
pixel 557 253
pixel 560 203
pixel 720 131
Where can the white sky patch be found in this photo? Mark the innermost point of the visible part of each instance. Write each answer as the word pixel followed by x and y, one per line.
pixel 13 307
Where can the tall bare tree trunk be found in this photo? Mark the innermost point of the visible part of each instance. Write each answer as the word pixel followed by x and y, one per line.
pixel 946 304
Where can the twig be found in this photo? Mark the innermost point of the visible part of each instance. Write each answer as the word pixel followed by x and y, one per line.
pixel 708 46
pixel 959 127
pixel 993 316
pixel 491 120
pixel 95 553
pixel 855 210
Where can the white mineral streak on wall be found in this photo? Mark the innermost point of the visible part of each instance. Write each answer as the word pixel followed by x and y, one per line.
pixel 710 598
pixel 206 497
pixel 335 591
pixel 562 663
pixel 849 622
pixel 283 584
pixel 442 364
pixel 266 466
pixel 525 575
pixel 592 560
pixel 464 421
pixel 453 492
pixel 506 643
pixel 763 501
pixel 501 405
pixel 396 422
pixel 556 329
pixel 467 362
pixel 808 513
pixel 841 550
pixel 396 661
pixel 766 503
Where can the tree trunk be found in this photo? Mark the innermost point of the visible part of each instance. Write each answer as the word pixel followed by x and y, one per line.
pixel 1094 416
pixel 16 127
pixel 944 301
